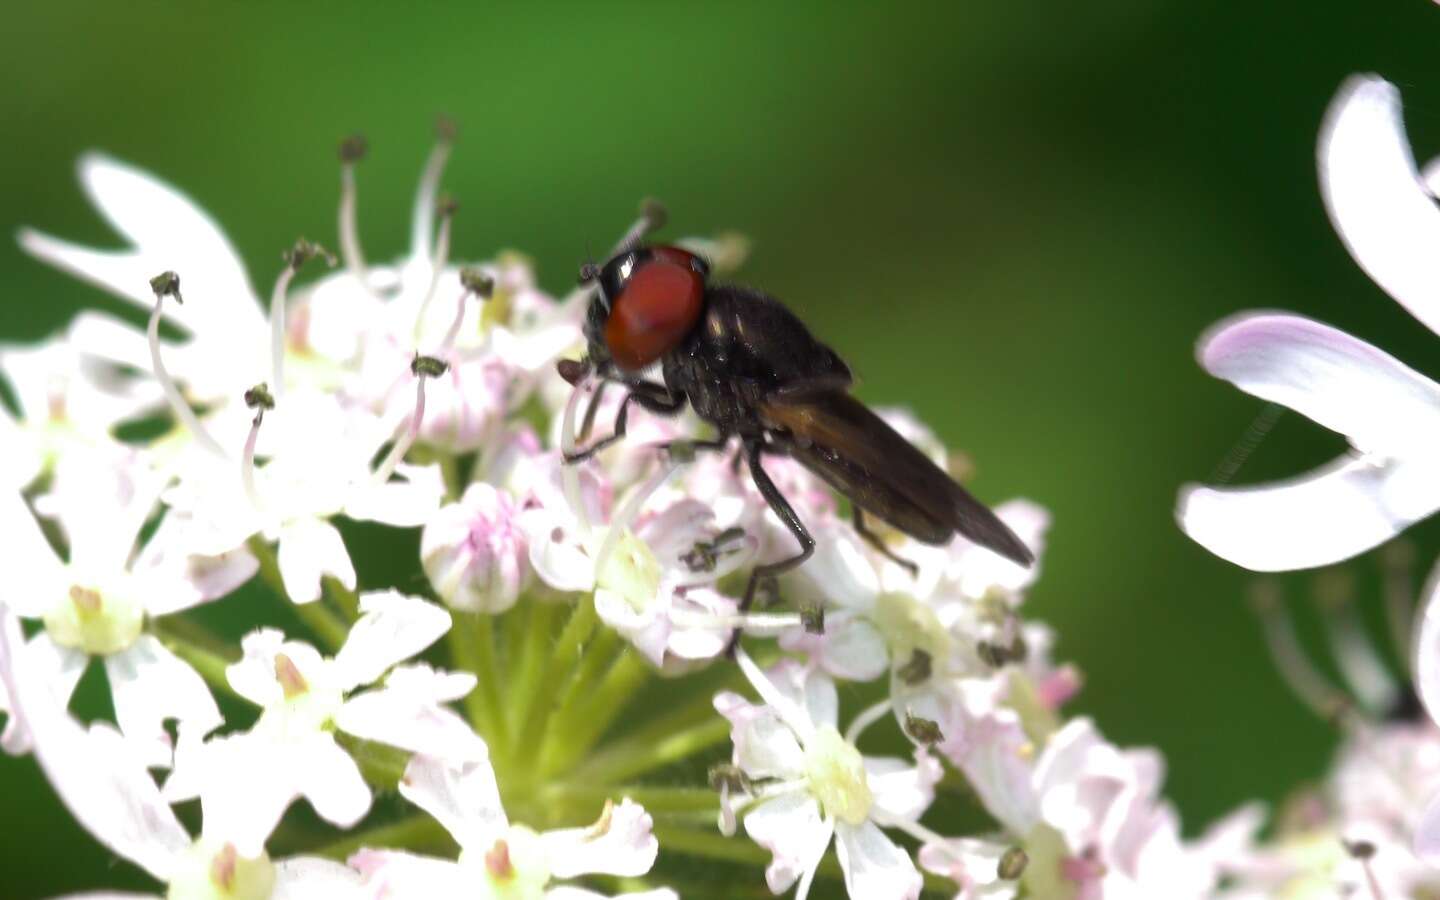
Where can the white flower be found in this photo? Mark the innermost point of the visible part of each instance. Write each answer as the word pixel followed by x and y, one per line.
pixel 474 551
pixel 499 858
pixel 1390 222
pixel 292 751
pixel 809 782
pixel 96 601
pixel 103 782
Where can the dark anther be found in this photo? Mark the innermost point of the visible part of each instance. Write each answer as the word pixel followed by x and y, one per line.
pixel 572 370
pixel 446 206
pixel 1359 849
pixel 654 213
pixel 167 284
pixel 917 669
pixel 354 148
pixel 445 128
pixel 704 555
pixel 812 617
pixel 259 397
pixel 477 282
pixel 588 272
pixel 1012 864
pixel 923 731
pixel 996 655
pixel 732 777
pixel 428 366
pixel 303 252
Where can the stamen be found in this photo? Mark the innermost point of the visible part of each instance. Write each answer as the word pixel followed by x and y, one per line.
pixel 446 210
pixel 222 868
pixel 1295 669
pixel 625 516
pixel 259 399
pixel 168 284
pixel 925 732
pixel 865 719
pixel 474 283
pixel 297 256
pixel 292 683
pixel 1363 852
pixel 423 368
pixel 1012 864
pixel 497 862
pixel 421 223
pixel 749 621
pixel 352 150
pixel 1398 561
pixel 652 218
pixel 1359 663
pixel 794 718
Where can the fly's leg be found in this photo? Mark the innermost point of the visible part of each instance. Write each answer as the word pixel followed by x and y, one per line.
pixel 591 409
pixel 782 508
pixel 857 518
pixel 654 397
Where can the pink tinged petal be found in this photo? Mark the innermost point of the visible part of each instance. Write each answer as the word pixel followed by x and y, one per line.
pixel 903 791
pixel 165 226
pixel 150 685
pixel 790 827
pixel 33 570
pixel 1376 199
pixel 1325 516
pixel 1339 381
pixel 874 866
pixel 411 722
pixel 764 746
pixel 308 877
pixel 392 628
pixel 464 798
pixel 620 843
pixel 98 777
pixel 309 550
pixel 1425 652
pixel 1427 832
pixel 394 874
pixel 174 580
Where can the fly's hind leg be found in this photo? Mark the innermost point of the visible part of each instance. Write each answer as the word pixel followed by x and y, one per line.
pixel 653 397
pixel 857 518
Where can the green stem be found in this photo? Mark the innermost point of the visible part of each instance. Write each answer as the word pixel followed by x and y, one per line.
pixel 383 766
pixel 638 754
pixel 330 630
pixel 415 833
pixel 654 799
pixel 615 692
pixel 562 660
pixel 210 666
pixel 344 599
pixel 526 677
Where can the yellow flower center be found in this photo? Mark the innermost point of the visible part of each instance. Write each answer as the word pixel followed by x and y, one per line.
pixel 514 867
pixel 631 571
pixel 99 624
pixel 836 776
pixel 909 625
pixel 211 871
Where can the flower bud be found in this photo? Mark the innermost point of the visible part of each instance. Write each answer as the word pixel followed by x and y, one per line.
pixel 474 551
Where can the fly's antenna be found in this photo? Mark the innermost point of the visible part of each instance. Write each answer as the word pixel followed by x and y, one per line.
pixel 1257 431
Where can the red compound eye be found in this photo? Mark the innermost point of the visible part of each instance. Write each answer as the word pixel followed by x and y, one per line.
pixel 658 306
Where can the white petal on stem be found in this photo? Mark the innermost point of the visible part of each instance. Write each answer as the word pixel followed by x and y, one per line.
pixel 310 549
pixel 59 668
pixel 901 789
pixel 1425 653
pixel 392 628
pixel 411 722
pixel 253 677
pixel 245 782
pixel 790 827
pixel 175 580
pixel 394 873
pixel 620 843
pixel 1339 381
pixel 98 777
pixel 873 865
pixel 464 798
pixel 786 705
pixel 764 746
pixel 150 685
pixel 31 565
pixel 1330 514
pixel 1375 196
pixel 330 780
pixel 309 877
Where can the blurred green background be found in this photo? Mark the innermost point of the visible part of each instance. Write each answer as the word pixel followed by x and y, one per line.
pixel 1014 218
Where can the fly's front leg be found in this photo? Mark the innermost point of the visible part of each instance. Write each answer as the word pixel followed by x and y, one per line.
pixel 767 572
pixel 653 397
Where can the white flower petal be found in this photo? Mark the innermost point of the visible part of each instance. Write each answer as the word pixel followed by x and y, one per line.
pixel 309 877
pixel 327 777
pixel 150 685
pixel 98 777
pixel 1375 197
pixel 790 827
pixel 850 649
pixel 764 746
pixel 570 892
pixel 874 867
pixel 413 723
pixel 392 628
pixel 1339 381
pixel 1328 515
pixel 173 580
pixel 621 843
pixel 59 668
pixel 903 791
pixel 310 549
pixel 1425 652
pixel 403 504
pixel 253 677
pixel 30 562
pixel 464 798
pixel 1427 832
pixel 395 874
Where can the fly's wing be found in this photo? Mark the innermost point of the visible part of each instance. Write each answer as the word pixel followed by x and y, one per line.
pixel 843 441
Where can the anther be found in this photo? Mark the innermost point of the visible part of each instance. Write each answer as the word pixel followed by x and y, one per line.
pixel 652 218
pixel 730 777
pixel 222 868
pixel 352 150
pixel 292 683
pixel 428 366
pixel 812 616
pixel 497 862
pixel 917 669
pixel 167 284
pixel 87 601
pixel 445 208
pixel 923 731
pixel 476 282
pixel 572 370
pixel 1012 864
pixel 295 257
pixel 445 129
pixel 422 217
pixel 259 398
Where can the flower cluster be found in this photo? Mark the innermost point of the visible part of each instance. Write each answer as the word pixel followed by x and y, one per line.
pixel 540 701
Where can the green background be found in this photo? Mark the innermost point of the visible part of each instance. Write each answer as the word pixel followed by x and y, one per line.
pixel 1013 217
